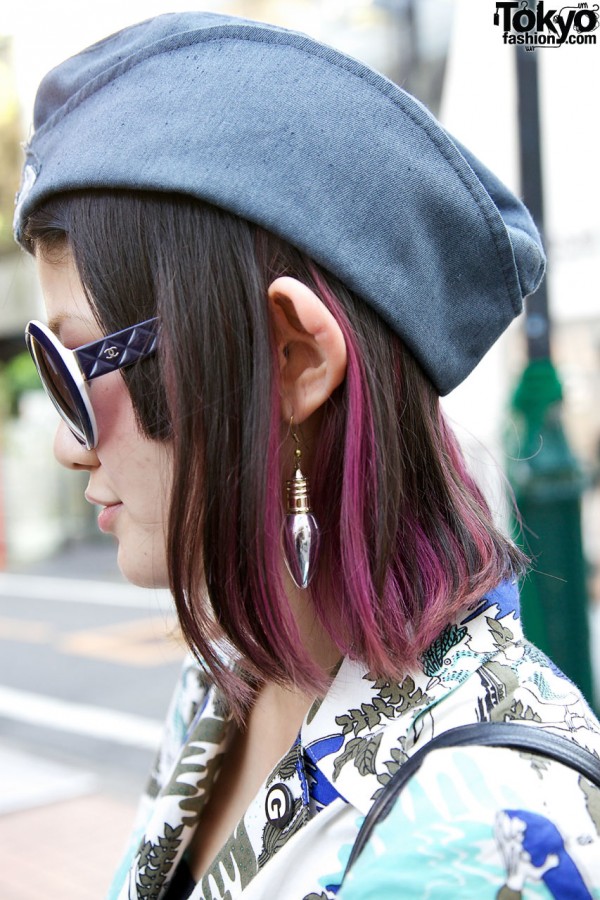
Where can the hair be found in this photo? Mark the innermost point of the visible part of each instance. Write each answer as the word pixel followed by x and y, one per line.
pixel 407 540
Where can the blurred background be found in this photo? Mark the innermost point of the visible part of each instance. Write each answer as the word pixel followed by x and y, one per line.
pixel 87 663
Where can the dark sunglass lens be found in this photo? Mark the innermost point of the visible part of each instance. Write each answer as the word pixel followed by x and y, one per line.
pixel 57 388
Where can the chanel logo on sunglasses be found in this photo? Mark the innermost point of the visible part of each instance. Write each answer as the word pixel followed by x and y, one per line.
pixel 111 352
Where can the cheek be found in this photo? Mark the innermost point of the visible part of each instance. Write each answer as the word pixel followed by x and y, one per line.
pixel 139 468
pixel 113 409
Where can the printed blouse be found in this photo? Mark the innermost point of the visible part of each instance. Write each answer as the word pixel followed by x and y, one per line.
pixel 475 822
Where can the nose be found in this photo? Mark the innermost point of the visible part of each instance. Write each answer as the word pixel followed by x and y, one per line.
pixel 70 453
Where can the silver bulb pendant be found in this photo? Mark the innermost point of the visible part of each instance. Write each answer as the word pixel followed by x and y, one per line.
pixel 300 532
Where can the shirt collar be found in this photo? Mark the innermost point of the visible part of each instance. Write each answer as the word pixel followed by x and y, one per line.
pixel 365 727
pixel 350 743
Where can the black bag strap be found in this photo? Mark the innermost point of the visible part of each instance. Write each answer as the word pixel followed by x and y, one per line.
pixel 491 734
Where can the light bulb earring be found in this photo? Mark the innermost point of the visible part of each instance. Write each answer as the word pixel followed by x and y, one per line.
pixel 300 532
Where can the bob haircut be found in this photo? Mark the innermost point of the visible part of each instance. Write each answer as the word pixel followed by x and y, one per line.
pixel 407 541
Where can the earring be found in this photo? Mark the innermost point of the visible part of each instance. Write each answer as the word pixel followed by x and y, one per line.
pixel 300 532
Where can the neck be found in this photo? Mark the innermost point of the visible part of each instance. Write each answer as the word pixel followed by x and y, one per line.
pixel 281 708
pixel 312 634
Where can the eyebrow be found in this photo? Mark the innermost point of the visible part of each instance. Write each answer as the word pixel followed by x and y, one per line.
pixel 56 322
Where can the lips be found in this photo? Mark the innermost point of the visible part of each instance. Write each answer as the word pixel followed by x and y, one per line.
pixel 108 515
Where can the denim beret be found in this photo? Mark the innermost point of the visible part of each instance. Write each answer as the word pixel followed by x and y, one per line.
pixel 310 144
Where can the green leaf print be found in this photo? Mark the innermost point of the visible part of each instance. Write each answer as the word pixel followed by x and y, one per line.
pixel 386 709
pixel 236 856
pixel 193 795
pixel 392 765
pixel 357 720
pixel 314 710
pixel 155 862
pixel 346 723
pixel 366 755
pixel 499 683
pixel 398 755
pixel 403 696
pixel 520 713
pixel 350 751
pixel 393 699
pixel 502 635
pixel 360 719
pixel 592 801
pixel 362 751
pixel 433 659
pixel 274 838
pixel 410 696
pixel 394 692
pixel 287 767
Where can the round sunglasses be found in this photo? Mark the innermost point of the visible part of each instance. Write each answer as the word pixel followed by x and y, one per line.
pixel 64 373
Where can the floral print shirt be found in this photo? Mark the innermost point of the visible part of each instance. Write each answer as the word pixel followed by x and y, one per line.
pixel 474 822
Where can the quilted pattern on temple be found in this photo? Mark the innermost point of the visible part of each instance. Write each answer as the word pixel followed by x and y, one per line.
pixel 118 350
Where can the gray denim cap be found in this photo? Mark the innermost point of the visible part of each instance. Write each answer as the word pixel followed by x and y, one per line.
pixel 310 144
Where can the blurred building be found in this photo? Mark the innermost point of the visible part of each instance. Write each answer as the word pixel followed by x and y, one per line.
pixel 449 54
pixel 40 505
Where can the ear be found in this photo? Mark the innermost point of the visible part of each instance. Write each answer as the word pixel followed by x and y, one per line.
pixel 310 347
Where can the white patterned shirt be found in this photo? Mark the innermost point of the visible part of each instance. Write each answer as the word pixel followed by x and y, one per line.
pixel 474 822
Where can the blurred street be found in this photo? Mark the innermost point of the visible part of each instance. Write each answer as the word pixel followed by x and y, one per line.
pixel 87 667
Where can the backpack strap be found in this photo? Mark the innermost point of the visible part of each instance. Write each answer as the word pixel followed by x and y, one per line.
pixel 501 734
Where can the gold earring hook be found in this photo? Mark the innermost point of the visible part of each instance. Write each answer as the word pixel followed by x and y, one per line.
pixel 298 450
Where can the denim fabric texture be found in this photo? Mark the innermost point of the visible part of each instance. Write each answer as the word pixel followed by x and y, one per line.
pixel 312 145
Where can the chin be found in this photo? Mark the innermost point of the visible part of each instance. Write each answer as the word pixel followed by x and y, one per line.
pixel 142 570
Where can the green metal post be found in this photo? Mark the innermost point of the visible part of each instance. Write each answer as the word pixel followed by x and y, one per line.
pixel 548 484
pixel 546 478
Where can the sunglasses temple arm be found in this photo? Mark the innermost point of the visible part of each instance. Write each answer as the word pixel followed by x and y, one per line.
pixel 117 350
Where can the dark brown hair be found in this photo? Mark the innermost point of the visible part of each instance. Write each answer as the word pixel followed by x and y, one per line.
pixel 407 539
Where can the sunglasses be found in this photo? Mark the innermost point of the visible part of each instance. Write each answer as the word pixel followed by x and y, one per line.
pixel 64 373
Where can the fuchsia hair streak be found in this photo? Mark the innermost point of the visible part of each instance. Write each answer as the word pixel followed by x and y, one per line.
pixel 408 543
pixel 411 541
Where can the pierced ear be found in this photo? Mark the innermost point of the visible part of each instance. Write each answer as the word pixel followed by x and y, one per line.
pixel 310 346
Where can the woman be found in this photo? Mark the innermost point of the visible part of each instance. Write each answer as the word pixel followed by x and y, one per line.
pixel 275 261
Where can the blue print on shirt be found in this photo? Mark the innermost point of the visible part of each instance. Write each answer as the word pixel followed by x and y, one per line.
pixel 541 840
pixel 321 789
pixel 505 597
